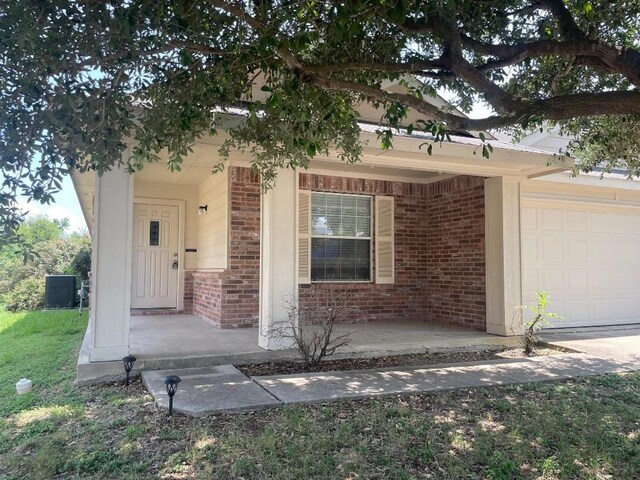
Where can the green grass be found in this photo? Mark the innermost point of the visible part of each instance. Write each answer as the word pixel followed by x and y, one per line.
pixel 581 429
pixel 41 346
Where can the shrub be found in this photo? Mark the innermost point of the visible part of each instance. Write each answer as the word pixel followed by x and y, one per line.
pixel 310 328
pixel 81 263
pixel 540 318
pixel 28 294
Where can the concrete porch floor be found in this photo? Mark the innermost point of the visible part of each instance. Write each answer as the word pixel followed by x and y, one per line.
pixel 182 341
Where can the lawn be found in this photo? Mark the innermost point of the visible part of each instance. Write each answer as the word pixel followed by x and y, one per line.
pixel 586 429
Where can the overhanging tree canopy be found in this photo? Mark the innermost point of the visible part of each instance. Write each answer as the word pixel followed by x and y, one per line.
pixel 72 71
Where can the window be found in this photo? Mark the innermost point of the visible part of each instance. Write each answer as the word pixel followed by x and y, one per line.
pixel 154 233
pixel 340 237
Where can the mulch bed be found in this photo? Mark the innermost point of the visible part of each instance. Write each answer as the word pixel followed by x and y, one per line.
pixel 407 360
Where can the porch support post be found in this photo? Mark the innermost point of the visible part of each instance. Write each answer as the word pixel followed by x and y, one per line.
pixel 111 266
pixel 278 257
pixel 503 261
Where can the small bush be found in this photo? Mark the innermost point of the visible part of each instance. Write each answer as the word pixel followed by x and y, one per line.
pixel 310 328
pixel 540 318
pixel 28 294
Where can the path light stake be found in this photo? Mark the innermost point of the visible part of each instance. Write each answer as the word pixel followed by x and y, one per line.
pixel 171 383
pixel 128 365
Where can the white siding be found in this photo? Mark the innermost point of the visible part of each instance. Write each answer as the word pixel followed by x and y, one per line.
pixel 214 225
pixel 189 195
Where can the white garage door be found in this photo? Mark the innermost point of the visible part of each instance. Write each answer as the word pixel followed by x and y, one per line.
pixel 586 256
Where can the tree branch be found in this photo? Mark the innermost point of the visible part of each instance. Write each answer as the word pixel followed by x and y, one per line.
pixel 623 61
pixel 567 24
pixel 402 67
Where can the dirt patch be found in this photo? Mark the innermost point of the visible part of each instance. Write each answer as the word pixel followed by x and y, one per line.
pixel 407 360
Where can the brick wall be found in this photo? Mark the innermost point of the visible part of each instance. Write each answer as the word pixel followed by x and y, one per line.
pixel 188 292
pixel 207 296
pixel 406 298
pixel 456 253
pixel 230 299
pixel 241 284
pixel 439 252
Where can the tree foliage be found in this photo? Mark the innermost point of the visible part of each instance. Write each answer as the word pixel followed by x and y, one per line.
pixel 44 248
pixel 79 77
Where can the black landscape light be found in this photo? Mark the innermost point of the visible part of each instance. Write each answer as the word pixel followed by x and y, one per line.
pixel 128 365
pixel 171 383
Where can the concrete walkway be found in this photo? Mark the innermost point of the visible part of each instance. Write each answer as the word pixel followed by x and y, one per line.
pixel 615 343
pixel 217 389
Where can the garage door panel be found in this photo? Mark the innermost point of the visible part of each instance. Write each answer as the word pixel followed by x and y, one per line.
pixel 553 279
pixel 577 249
pixel 577 311
pixel 587 258
pixel 601 310
pixel 550 250
pixel 600 251
pixel 530 250
pixel 578 281
pixel 530 282
pixel 551 219
pixel 599 222
pixel 530 218
pixel 576 221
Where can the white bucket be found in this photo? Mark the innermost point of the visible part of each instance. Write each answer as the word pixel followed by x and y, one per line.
pixel 24 386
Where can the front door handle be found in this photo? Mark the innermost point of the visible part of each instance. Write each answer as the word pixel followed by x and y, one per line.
pixel 174 265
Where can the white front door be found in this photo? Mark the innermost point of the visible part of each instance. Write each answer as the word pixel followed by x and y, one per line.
pixel 154 282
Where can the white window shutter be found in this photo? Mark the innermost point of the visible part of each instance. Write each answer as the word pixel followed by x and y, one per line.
pixel 304 236
pixel 385 261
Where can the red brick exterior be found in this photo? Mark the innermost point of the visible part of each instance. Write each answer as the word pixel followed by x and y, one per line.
pixel 456 253
pixel 406 298
pixel 439 255
pixel 207 296
pixel 230 299
pixel 188 292
pixel 439 252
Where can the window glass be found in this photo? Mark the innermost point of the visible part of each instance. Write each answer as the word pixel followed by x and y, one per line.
pixel 340 237
pixel 154 233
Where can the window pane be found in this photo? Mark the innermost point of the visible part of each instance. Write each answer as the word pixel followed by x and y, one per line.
pixel 154 233
pixel 340 259
pixel 339 215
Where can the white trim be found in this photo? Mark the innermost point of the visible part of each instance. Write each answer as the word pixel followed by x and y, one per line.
pixel 107 354
pixel 355 173
pixel 578 200
pixel 181 204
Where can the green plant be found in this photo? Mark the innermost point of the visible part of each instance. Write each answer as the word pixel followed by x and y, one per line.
pixel 28 294
pixel 539 319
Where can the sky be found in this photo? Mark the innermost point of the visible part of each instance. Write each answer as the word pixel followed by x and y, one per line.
pixel 66 202
pixel 66 206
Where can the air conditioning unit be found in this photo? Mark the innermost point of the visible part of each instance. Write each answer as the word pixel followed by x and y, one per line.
pixel 60 291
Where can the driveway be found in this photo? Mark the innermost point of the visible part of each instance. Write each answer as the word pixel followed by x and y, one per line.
pixel 621 344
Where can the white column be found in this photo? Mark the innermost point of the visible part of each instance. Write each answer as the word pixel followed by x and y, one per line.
pixel 111 266
pixel 503 261
pixel 278 257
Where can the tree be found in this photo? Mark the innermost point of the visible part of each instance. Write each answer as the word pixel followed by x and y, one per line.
pixel 44 249
pixel 79 77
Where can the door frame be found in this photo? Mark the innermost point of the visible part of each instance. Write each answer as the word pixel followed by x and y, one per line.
pixel 181 214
